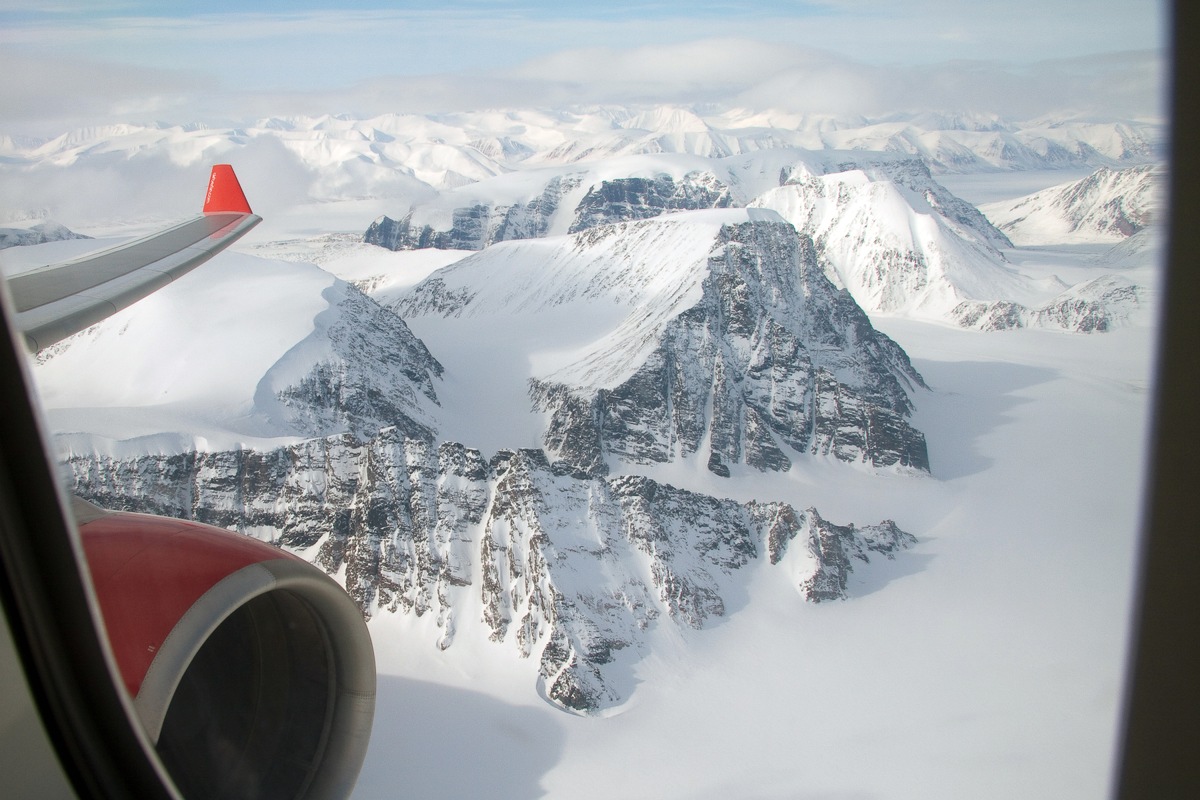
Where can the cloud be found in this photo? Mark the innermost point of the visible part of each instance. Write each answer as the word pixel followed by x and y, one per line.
pixel 45 95
pixel 767 75
pixel 46 92
pixel 1112 86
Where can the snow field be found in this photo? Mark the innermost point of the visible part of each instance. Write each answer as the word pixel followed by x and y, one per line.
pixel 987 662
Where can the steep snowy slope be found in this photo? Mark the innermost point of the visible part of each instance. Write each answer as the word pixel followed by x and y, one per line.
pixel 378 163
pixel 272 399
pixel 39 233
pixel 709 334
pixel 244 350
pixel 1106 207
pixel 892 248
pixel 1141 250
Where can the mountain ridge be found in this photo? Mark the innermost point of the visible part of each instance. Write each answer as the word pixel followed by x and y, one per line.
pixel 571 573
pixel 1108 206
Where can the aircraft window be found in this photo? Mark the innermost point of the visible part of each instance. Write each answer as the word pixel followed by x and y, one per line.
pixel 629 447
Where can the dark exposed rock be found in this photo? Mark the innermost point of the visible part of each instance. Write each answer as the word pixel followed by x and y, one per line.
pixel 468 231
pixel 572 572
pixel 375 374
pixel 1095 306
pixel 477 226
pixel 626 199
pixel 623 199
pixel 773 359
pixel 1001 315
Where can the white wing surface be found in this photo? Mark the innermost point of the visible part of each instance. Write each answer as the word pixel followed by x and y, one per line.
pixel 57 300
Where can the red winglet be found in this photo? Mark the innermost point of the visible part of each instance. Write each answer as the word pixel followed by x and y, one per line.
pixel 225 193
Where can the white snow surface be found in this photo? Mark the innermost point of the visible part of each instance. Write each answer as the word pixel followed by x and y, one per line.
pixel 344 171
pixel 987 663
pixel 181 368
pixel 1095 209
pixel 891 250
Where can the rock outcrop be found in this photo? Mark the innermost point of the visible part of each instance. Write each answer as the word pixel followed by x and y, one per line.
pixel 772 361
pixel 571 572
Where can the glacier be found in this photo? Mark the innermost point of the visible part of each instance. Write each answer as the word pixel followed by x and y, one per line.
pixel 709 631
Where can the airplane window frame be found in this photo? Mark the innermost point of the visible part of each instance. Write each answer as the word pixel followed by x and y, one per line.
pixel 49 607
pixel 1161 709
pixel 51 610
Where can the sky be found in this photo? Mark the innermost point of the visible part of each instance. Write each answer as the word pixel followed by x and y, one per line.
pixel 65 63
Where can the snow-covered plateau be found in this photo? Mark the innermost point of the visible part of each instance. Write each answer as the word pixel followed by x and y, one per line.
pixel 753 444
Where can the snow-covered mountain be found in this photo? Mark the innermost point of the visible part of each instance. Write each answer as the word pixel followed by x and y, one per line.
pixel 247 350
pixel 898 241
pixel 569 202
pixel 579 576
pixel 39 233
pixel 710 334
pixel 1106 207
pixel 895 238
pixel 584 464
pixel 548 201
pixel 408 156
pixel 273 399
pixel 884 228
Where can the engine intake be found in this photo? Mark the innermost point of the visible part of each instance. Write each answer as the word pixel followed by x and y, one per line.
pixel 252 671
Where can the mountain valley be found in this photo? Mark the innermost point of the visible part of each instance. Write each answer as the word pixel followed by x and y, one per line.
pixel 676 421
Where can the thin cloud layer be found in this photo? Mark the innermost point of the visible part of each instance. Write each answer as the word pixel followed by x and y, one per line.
pixel 764 75
pixel 1026 59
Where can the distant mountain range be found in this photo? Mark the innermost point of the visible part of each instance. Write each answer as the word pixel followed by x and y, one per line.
pixel 1108 206
pixel 401 153
pixel 625 292
pixel 38 233
pixel 882 226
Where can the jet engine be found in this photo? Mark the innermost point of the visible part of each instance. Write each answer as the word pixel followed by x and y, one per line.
pixel 251 670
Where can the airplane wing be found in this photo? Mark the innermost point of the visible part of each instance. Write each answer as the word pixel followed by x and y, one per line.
pixel 55 301
pixel 248 672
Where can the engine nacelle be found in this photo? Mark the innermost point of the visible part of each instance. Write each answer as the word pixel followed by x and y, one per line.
pixel 252 670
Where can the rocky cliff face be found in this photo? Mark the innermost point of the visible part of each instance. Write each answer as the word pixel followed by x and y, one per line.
pixel 772 360
pixel 474 227
pixel 618 200
pixel 571 572
pixel 626 199
pixel 360 370
pixel 477 226
pixel 1095 306
pixel 40 233
pixel 1107 206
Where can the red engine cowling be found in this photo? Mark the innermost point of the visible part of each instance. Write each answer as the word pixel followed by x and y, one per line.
pixel 252 670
